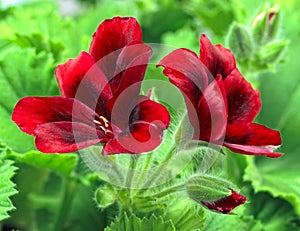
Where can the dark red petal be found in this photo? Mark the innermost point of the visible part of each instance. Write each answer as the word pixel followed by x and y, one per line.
pixel 238 133
pixel 212 112
pixel 131 63
pixel 151 112
pixel 252 139
pixel 130 70
pixel 143 137
pixel 217 59
pixel 252 134
pixel 264 136
pixel 243 101
pixel 185 71
pixel 227 204
pixel 254 150
pixel 33 111
pixel 113 34
pixel 80 78
pixel 64 137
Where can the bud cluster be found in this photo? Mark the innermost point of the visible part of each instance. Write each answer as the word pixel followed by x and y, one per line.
pixel 257 47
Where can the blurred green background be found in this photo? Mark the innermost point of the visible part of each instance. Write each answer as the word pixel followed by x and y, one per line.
pixel 35 37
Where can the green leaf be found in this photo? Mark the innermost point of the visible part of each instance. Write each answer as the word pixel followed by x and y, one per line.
pixel 185 37
pixel 185 213
pixel 43 18
pixel 263 207
pixel 280 95
pixel 216 222
pixel 7 187
pixel 63 164
pixel 23 72
pixel 41 43
pixel 134 223
pixel 273 176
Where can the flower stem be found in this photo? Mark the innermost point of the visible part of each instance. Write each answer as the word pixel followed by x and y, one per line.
pixel 132 165
pixel 152 179
pixel 146 164
pixel 70 186
pixel 167 191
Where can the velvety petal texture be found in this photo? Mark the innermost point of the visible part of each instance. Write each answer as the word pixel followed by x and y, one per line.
pixel 114 34
pixel 186 72
pixel 217 59
pixel 223 108
pixel 100 99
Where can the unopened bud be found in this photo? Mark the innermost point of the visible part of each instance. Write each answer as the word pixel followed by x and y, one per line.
pixel 214 193
pixel 271 52
pixel 207 188
pixel 265 25
pixel 104 196
pixel 240 41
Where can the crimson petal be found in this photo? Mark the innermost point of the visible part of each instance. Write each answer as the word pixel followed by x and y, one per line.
pixel 33 111
pixel 82 79
pixel 151 112
pixel 217 59
pixel 243 101
pixel 142 137
pixel 130 70
pixel 264 136
pixel 113 34
pixel 212 112
pixel 185 71
pixel 254 150
pixel 252 139
pixel 227 204
pixel 65 137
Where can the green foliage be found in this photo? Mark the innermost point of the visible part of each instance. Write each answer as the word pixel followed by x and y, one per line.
pixel 185 213
pixel 217 222
pixel 134 223
pixel 277 215
pixel 7 186
pixel 63 164
pixel 56 192
pixel 15 64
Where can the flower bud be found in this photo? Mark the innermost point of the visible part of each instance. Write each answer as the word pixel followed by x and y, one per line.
pixel 271 52
pixel 104 196
pixel 240 41
pixel 265 25
pixel 214 193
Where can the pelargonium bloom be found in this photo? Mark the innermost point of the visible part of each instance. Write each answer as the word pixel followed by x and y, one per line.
pixel 100 99
pixel 226 204
pixel 221 103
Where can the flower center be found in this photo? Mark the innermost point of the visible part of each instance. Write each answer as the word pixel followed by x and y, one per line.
pixel 104 125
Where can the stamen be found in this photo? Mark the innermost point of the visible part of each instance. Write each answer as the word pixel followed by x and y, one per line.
pixel 105 121
pixel 97 122
pixel 106 125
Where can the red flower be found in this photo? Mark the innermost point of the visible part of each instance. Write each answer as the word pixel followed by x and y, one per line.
pixel 227 204
pixel 100 99
pixel 220 102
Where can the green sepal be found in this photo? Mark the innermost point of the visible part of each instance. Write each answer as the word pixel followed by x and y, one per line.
pixel 207 188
